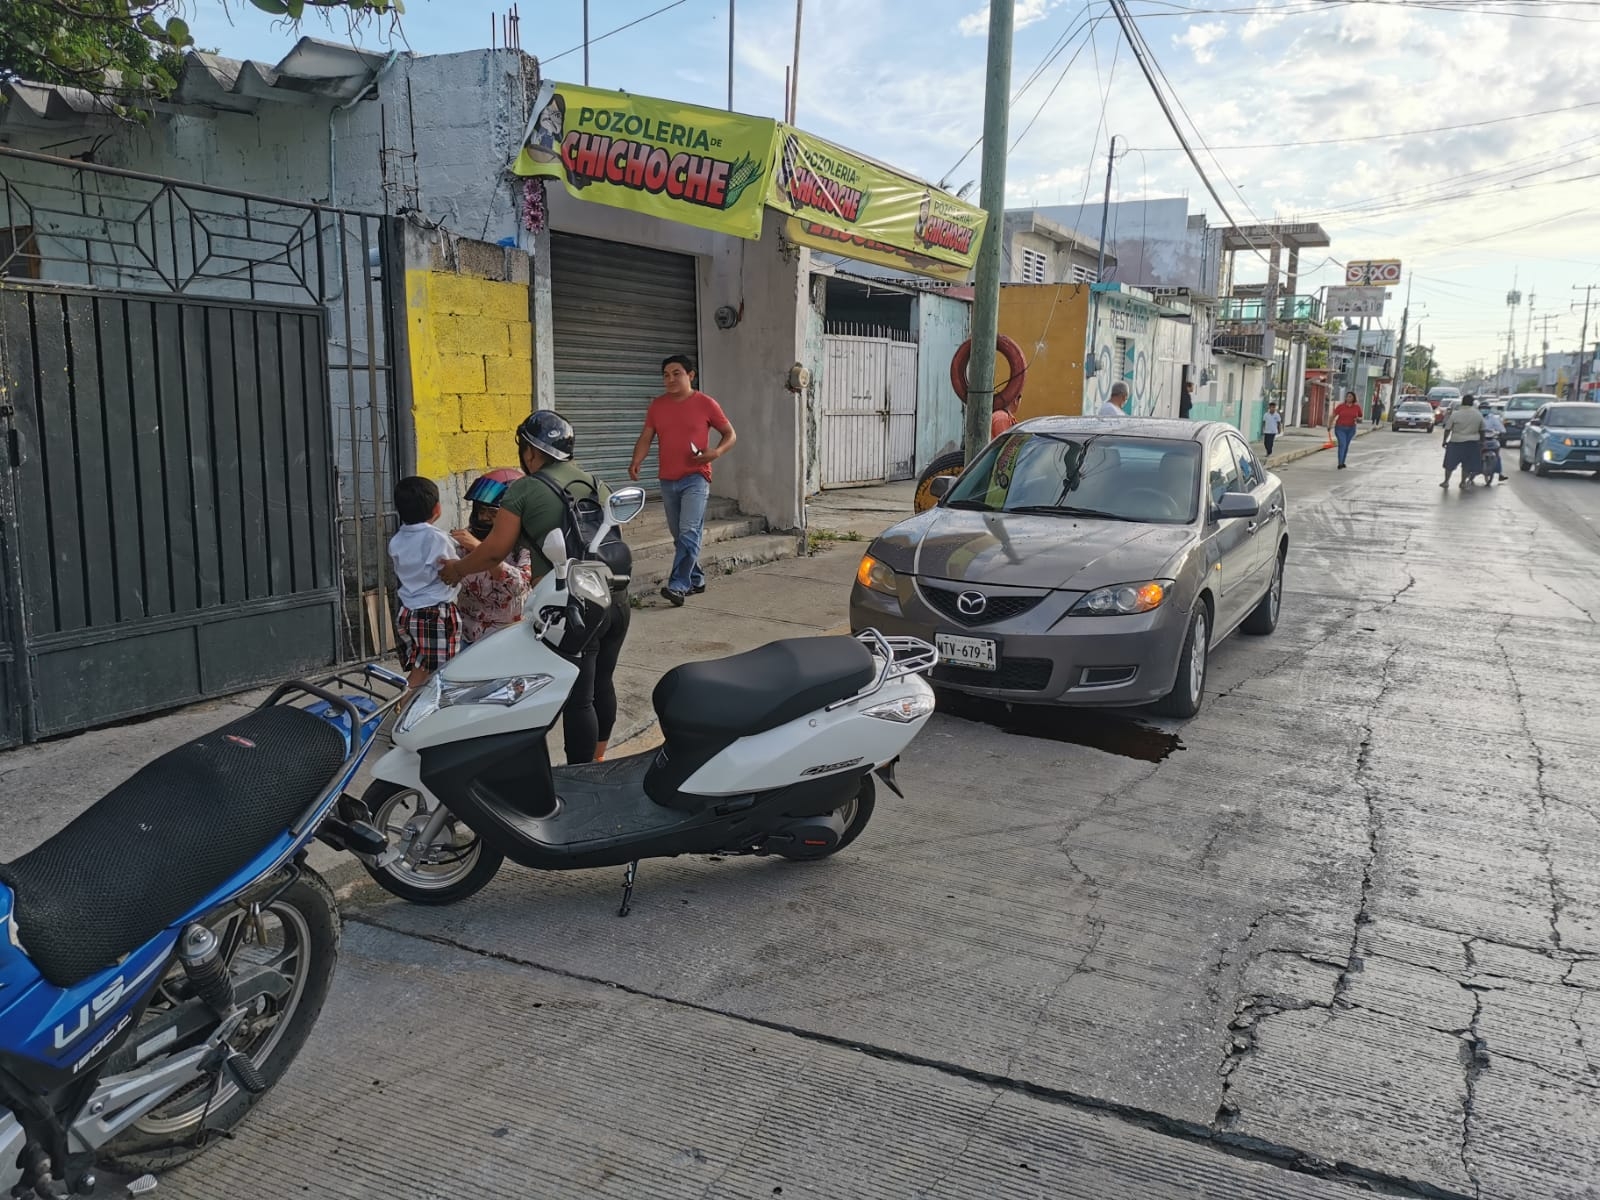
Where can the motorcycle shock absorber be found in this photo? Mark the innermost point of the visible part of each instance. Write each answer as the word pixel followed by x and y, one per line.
pixel 201 955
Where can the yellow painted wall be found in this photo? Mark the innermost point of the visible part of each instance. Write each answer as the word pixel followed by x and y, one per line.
pixel 471 370
pixel 1048 321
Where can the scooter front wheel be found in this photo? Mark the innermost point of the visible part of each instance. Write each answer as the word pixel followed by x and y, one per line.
pixel 455 866
pixel 854 815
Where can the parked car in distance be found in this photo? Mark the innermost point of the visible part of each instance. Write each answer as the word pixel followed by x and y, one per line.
pixel 1564 436
pixel 1081 561
pixel 1412 414
pixel 1519 411
pixel 1437 395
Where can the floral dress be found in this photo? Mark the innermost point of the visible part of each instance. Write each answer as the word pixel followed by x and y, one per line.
pixel 491 600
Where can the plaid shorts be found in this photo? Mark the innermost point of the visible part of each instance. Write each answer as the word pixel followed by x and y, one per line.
pixel 429 637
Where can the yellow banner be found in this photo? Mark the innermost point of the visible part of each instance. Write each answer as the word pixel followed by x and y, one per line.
pixel 845 204
pixel 697 166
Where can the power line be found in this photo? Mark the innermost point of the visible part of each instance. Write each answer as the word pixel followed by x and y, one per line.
pixel 613 32
pixel 1378 137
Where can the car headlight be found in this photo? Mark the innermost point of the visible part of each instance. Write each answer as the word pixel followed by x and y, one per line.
pixel 507 691
pixel 1124 599
pixel 903 711
pixel 877 576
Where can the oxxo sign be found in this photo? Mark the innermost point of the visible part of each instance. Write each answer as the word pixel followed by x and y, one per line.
pixel 1374 272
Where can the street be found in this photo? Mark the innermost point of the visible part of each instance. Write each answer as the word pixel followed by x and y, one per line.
pixel 1342 932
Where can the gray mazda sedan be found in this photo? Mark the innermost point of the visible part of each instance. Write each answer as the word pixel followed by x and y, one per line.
pixel 1086 562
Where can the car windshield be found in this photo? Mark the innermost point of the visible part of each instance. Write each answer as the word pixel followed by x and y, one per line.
pixel 1094 475
pixel 1525 403
pixel 1573 416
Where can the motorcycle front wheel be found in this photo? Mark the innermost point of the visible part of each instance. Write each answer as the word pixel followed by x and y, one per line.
pixel 456 866
pixel 296 935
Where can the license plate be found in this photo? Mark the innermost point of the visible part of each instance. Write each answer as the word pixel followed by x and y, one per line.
pixel 981 654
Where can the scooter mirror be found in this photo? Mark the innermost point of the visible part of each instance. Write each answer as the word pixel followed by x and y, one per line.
pixel 625 504
pixel 554 547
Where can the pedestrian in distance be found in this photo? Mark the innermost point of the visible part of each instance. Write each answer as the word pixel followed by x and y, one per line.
pixel 1343 423
pixel 1377 411
pixel 1463 442
pixel 1117 404
pixel 1186 400
pixel 680 421
pixel 1271 426
pixel 428 625
pixel 531 508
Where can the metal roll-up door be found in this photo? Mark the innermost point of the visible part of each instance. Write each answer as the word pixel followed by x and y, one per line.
pixel 617 311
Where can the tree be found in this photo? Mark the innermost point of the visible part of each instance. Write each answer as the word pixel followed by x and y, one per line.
pixel 126 51
pixel 1319 341
pixel 1421 366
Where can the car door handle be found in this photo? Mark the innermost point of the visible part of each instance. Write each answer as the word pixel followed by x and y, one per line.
pixel 1252 526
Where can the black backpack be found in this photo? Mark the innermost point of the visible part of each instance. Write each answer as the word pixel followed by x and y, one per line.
pixel 581 519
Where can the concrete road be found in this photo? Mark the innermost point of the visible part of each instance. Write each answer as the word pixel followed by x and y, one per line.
pixel 1338 935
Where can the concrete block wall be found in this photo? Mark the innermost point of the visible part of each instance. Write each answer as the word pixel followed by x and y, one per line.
pixel 471 342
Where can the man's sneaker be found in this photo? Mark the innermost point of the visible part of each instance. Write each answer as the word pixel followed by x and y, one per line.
pixel 675 597
pixel 698 589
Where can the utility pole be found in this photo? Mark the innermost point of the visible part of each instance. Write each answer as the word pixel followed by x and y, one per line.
pixel 1400 353
pixel 1583 338
pixel 794 72
pixel 1427 378
pixel 986 298
pixel 730 54
pixel 585 43
pixel 1105 210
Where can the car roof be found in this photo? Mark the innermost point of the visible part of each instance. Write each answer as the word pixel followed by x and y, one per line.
pixel 1165 428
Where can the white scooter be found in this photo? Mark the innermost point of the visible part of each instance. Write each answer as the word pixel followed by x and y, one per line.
pixel 768 752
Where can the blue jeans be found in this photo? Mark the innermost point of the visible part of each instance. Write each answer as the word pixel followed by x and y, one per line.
pixel 1344 435
pixel 685 503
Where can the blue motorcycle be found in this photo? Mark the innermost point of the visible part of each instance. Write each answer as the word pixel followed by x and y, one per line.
pixel 164 957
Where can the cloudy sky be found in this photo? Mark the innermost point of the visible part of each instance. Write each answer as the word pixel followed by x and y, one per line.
pixel 1290 96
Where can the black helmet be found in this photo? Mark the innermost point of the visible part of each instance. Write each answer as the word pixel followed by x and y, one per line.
pixel 549 432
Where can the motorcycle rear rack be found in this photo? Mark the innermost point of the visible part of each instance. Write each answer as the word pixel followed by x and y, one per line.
pixel 900 656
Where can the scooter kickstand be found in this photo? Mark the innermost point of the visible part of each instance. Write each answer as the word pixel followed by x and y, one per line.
pixel 628 877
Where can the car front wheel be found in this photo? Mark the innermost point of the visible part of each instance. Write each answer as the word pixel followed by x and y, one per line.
pixel 1189 689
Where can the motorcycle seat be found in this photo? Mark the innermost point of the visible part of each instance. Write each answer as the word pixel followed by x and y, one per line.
pixel 160 843
pixel 760 689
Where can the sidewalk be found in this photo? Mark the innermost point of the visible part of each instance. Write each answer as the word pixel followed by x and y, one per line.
pixel 42 787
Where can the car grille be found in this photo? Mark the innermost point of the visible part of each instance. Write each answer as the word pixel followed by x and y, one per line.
pixel 1014 674
pixel 999 608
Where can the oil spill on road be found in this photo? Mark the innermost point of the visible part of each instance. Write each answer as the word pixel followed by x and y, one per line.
pixel 1094 728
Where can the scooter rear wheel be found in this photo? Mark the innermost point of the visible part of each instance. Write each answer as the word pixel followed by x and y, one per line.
pixel 855 815
pixel 456 869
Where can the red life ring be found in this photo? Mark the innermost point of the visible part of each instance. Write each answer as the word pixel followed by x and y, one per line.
pixel 1008 350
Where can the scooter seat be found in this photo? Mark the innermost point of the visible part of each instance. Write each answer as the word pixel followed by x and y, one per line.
pixel 159 844
pixel 760 689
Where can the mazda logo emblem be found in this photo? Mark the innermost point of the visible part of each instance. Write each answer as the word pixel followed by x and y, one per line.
pixel 972 603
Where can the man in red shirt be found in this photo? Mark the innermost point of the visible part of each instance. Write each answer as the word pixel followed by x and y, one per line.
pixel 680 420
pixel 1345 419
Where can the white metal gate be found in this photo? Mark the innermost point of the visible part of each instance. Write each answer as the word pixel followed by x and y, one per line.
pixel 869 410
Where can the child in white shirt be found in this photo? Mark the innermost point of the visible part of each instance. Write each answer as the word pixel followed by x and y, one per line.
pixel 428 623
pixel 1271 426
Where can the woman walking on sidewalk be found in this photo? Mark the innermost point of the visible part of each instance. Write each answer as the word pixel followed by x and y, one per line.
pixel 1345 419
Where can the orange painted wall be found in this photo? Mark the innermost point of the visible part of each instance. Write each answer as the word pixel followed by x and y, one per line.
pixel 1048 321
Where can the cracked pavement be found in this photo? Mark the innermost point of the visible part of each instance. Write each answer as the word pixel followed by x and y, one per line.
pixel 1345 942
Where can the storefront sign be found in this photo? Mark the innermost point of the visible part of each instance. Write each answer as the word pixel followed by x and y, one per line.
pixel 697 166
pixel 1356 301
pixel 717 170
pixel 844 204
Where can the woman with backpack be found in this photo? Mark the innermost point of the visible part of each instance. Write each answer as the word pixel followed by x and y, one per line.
pixel 543 500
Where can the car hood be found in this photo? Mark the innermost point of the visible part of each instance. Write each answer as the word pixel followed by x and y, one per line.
pixel 1021 550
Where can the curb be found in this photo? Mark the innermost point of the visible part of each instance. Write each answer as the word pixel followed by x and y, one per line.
pixel 1289 456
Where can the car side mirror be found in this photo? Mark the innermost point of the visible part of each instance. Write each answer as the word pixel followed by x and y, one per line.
pixel 1237 504
pixel 939 486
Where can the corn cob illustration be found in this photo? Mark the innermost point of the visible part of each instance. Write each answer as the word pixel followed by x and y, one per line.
pixel 745 172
